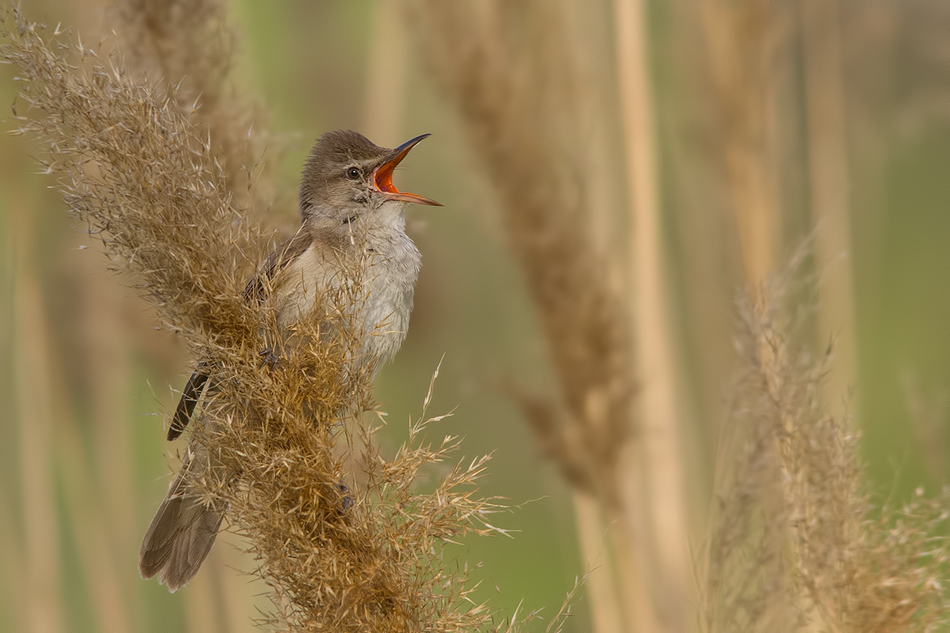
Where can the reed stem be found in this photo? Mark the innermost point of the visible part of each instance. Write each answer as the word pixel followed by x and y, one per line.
pixel 43 607
pixel 662 471
pixel 830 201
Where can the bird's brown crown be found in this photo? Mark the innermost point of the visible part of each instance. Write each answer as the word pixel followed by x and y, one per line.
pixel 331 155
pixel 341 146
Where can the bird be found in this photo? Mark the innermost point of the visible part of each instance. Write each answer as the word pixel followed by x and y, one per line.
pixel 350 211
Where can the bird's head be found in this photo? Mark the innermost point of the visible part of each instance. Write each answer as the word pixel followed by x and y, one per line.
pixel 348 177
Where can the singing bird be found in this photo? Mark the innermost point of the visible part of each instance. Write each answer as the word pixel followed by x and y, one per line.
pixel 350 211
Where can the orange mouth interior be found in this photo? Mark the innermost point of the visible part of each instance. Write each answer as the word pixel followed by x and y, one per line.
pixel 384 177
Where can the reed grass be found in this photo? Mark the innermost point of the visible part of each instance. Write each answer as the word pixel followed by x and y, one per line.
pixel 515 84
pixel 135 168
pixel 798 541
pixel 41 534
pixel 745 41
pixel 95 532
pixel 797 538
pixel 190 45
pixel 829 185
pixel 385 100
pixel 662 469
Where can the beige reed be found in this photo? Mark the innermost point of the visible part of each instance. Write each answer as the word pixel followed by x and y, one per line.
pixel 795 535
pixel 139 172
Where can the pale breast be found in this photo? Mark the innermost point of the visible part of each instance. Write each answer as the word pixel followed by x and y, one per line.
pixel 300 284
pixel 388 273
pixel 392 271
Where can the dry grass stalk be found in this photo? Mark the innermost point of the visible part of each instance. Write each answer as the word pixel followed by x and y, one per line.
pixel 661 461
pixel 505 70
pixel 744 39
pixel 133 166
pixel 606 612
pixel 188 44
pixel 385 101
pixel 11 566
pixel 829 183
pixel 41 542
pixel 93 373
pixel 97 542
pixel 824 549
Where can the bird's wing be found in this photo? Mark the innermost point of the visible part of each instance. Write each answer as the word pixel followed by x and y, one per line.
pixel 186 406
pixel 256 289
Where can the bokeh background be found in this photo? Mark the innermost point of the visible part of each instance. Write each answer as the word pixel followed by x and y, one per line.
pixel 742 101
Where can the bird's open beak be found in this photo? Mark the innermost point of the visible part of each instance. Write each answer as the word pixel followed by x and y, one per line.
pixel 382 176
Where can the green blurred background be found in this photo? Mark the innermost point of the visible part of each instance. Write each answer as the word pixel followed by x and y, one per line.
pixel 86 377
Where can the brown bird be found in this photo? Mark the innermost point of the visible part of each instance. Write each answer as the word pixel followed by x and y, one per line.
pixel 350 212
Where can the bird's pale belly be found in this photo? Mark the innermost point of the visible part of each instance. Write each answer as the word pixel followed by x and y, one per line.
pixel 385 323
pixel 383 315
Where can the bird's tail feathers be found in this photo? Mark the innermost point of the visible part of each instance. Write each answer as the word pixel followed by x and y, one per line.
pixel 179 537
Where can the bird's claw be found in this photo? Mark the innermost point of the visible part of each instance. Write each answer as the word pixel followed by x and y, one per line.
pixel 347 499
pixel 269 357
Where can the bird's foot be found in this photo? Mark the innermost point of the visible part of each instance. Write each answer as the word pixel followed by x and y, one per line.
pixel 269 357
pixel 347 499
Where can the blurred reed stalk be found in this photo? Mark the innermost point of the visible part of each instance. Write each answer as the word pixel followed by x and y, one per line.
pixel 42 609
pixel 583 25
pixel 515 82
pixel 11 551
pixel 745 43
pixel 386 77
pixel 12 564
pixel 189 45
pixel 743 40
pixel 144 179
pixel 101 359
pixel 829 185
pixel 796 543
pixel 99 540
pixel 106 361
pixel 603 593
pixel 658 464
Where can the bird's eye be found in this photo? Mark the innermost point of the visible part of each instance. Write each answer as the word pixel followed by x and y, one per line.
pixel 353 173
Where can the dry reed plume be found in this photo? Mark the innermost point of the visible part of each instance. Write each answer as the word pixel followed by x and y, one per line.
pixel 510 72
pixel 137 170
pixel 795 534
pixel 745 41
pixel 795 541
pixel 506 71
pixel 189 44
